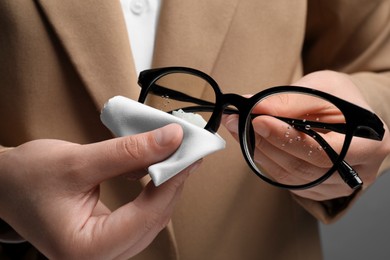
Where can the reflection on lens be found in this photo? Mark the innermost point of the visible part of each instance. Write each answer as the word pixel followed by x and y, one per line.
pixel 294 138
pixel 182 92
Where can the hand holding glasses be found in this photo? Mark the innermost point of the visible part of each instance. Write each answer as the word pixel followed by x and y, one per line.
pixel 316 128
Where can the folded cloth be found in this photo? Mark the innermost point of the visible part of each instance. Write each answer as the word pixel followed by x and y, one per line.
pixel 124 116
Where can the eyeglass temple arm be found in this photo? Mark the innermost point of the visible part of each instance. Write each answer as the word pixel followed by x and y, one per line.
pixel 347 173
pixel 362 131
pixel 371 129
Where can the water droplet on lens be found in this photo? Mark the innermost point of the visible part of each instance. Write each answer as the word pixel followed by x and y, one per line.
pixel 287 134
pixel 310 153
pixel 298 138
pixel 166 100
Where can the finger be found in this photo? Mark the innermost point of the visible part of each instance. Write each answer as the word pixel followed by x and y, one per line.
pixel 290 140
pixel 104 160
pixel 325 191
pixel 293 105
pixel 333 187
pixel 231 124
pixel 296 143
pixel 283 168
pixel 277 161
pixel 133 226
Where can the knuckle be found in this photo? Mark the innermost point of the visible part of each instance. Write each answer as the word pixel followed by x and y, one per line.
pixel 134 147
pixel 156 221
pixel 305 172
pixel 73 165
pixel 280 175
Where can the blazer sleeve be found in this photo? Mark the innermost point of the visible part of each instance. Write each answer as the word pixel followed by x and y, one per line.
pixel 352 37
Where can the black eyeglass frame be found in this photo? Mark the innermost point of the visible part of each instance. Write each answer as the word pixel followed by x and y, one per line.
pixel 359 121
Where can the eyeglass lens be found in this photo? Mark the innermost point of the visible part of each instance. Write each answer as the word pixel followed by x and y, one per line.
pixel 289 137
pixel 182 91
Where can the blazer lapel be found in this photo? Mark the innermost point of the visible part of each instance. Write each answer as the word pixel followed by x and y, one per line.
pixel 93 33
pixel 185 37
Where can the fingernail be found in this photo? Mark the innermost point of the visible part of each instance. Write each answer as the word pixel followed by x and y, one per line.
pixel 165 135
pixel 264 132
pixel 261 128
pixel 232 125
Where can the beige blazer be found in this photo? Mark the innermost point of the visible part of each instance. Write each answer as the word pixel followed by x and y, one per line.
pixel 60 61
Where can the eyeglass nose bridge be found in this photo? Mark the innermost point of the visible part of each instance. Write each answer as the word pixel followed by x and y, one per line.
pixel 223 101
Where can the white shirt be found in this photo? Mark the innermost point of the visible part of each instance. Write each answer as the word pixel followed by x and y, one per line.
pixel 141 18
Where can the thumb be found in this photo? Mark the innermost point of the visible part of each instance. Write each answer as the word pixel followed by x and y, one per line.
pixel 122 155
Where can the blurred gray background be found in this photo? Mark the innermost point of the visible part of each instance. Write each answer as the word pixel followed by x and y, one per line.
pixel 364 232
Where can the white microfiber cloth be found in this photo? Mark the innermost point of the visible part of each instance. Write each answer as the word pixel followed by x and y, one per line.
pixel 124 116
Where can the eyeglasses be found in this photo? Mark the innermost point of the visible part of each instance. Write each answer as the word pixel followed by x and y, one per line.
pixel 310 130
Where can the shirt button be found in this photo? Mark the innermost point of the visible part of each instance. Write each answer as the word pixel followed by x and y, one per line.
pixel 137 6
